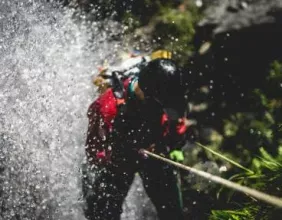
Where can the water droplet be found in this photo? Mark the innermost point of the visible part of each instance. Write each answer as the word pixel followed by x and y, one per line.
pixel 199 3
pixel 223 169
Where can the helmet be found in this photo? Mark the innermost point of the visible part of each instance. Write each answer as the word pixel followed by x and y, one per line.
pixel 162 80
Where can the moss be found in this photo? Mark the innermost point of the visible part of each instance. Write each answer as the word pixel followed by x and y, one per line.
pixel 174 31
pixel 170 26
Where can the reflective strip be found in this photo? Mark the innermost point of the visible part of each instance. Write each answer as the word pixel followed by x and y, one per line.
pixel 131 87
pixel 181 127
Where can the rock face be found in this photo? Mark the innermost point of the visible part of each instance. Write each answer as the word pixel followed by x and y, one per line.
pixel 237 42
pixel 229 15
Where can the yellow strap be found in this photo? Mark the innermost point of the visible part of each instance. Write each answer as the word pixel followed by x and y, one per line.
pixel 161 54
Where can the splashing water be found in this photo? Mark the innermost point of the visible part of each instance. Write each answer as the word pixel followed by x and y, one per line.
pixel 46 61
pixel 45 79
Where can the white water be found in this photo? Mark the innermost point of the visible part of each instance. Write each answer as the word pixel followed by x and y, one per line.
pixel 45 71
pixel 46 65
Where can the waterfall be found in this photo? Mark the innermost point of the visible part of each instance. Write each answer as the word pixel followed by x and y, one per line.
pixel 46 64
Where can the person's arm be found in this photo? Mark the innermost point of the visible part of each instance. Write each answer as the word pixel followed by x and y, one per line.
pixel 96 141
pixel 175 137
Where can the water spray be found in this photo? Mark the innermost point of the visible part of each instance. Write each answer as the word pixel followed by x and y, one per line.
pixel 47 60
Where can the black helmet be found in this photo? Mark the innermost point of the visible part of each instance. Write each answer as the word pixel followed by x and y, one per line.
pixel 163 80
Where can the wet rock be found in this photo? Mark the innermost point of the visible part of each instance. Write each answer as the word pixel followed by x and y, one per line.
pixel 237 41
pixel 229 15
pixel 137 204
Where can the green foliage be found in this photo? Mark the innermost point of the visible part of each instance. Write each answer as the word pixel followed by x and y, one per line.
pixel 174 31
pixel 267 178
pixel 131 21
pixel 165 24
pixel 232 215
pixel 276 71
pixel 261 125
pixel 169 27
pixel 244 134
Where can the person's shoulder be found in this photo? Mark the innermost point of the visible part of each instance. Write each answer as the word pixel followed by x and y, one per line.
pixel 107 103
pixel 105 98
pixel 102 99
pixel 104 106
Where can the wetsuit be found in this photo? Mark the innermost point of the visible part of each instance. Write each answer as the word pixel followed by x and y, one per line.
pixel 122 131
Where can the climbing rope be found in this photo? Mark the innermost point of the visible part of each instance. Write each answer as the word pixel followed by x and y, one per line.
pixel 225 158
pixel 244 189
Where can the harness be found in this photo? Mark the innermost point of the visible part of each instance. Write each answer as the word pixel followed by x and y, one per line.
pixel 173 126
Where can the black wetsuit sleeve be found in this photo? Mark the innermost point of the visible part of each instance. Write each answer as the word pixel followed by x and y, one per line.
pixel 97 132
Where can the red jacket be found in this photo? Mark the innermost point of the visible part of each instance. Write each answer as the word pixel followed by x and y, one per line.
pixel 101 114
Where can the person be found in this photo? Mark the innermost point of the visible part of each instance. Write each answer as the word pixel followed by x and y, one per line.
pixel 144 111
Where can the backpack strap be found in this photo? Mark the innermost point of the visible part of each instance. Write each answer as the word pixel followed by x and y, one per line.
pixel 118 87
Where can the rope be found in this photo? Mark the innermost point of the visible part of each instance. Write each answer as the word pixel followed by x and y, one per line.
pixel 244 189
pixel 225 158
